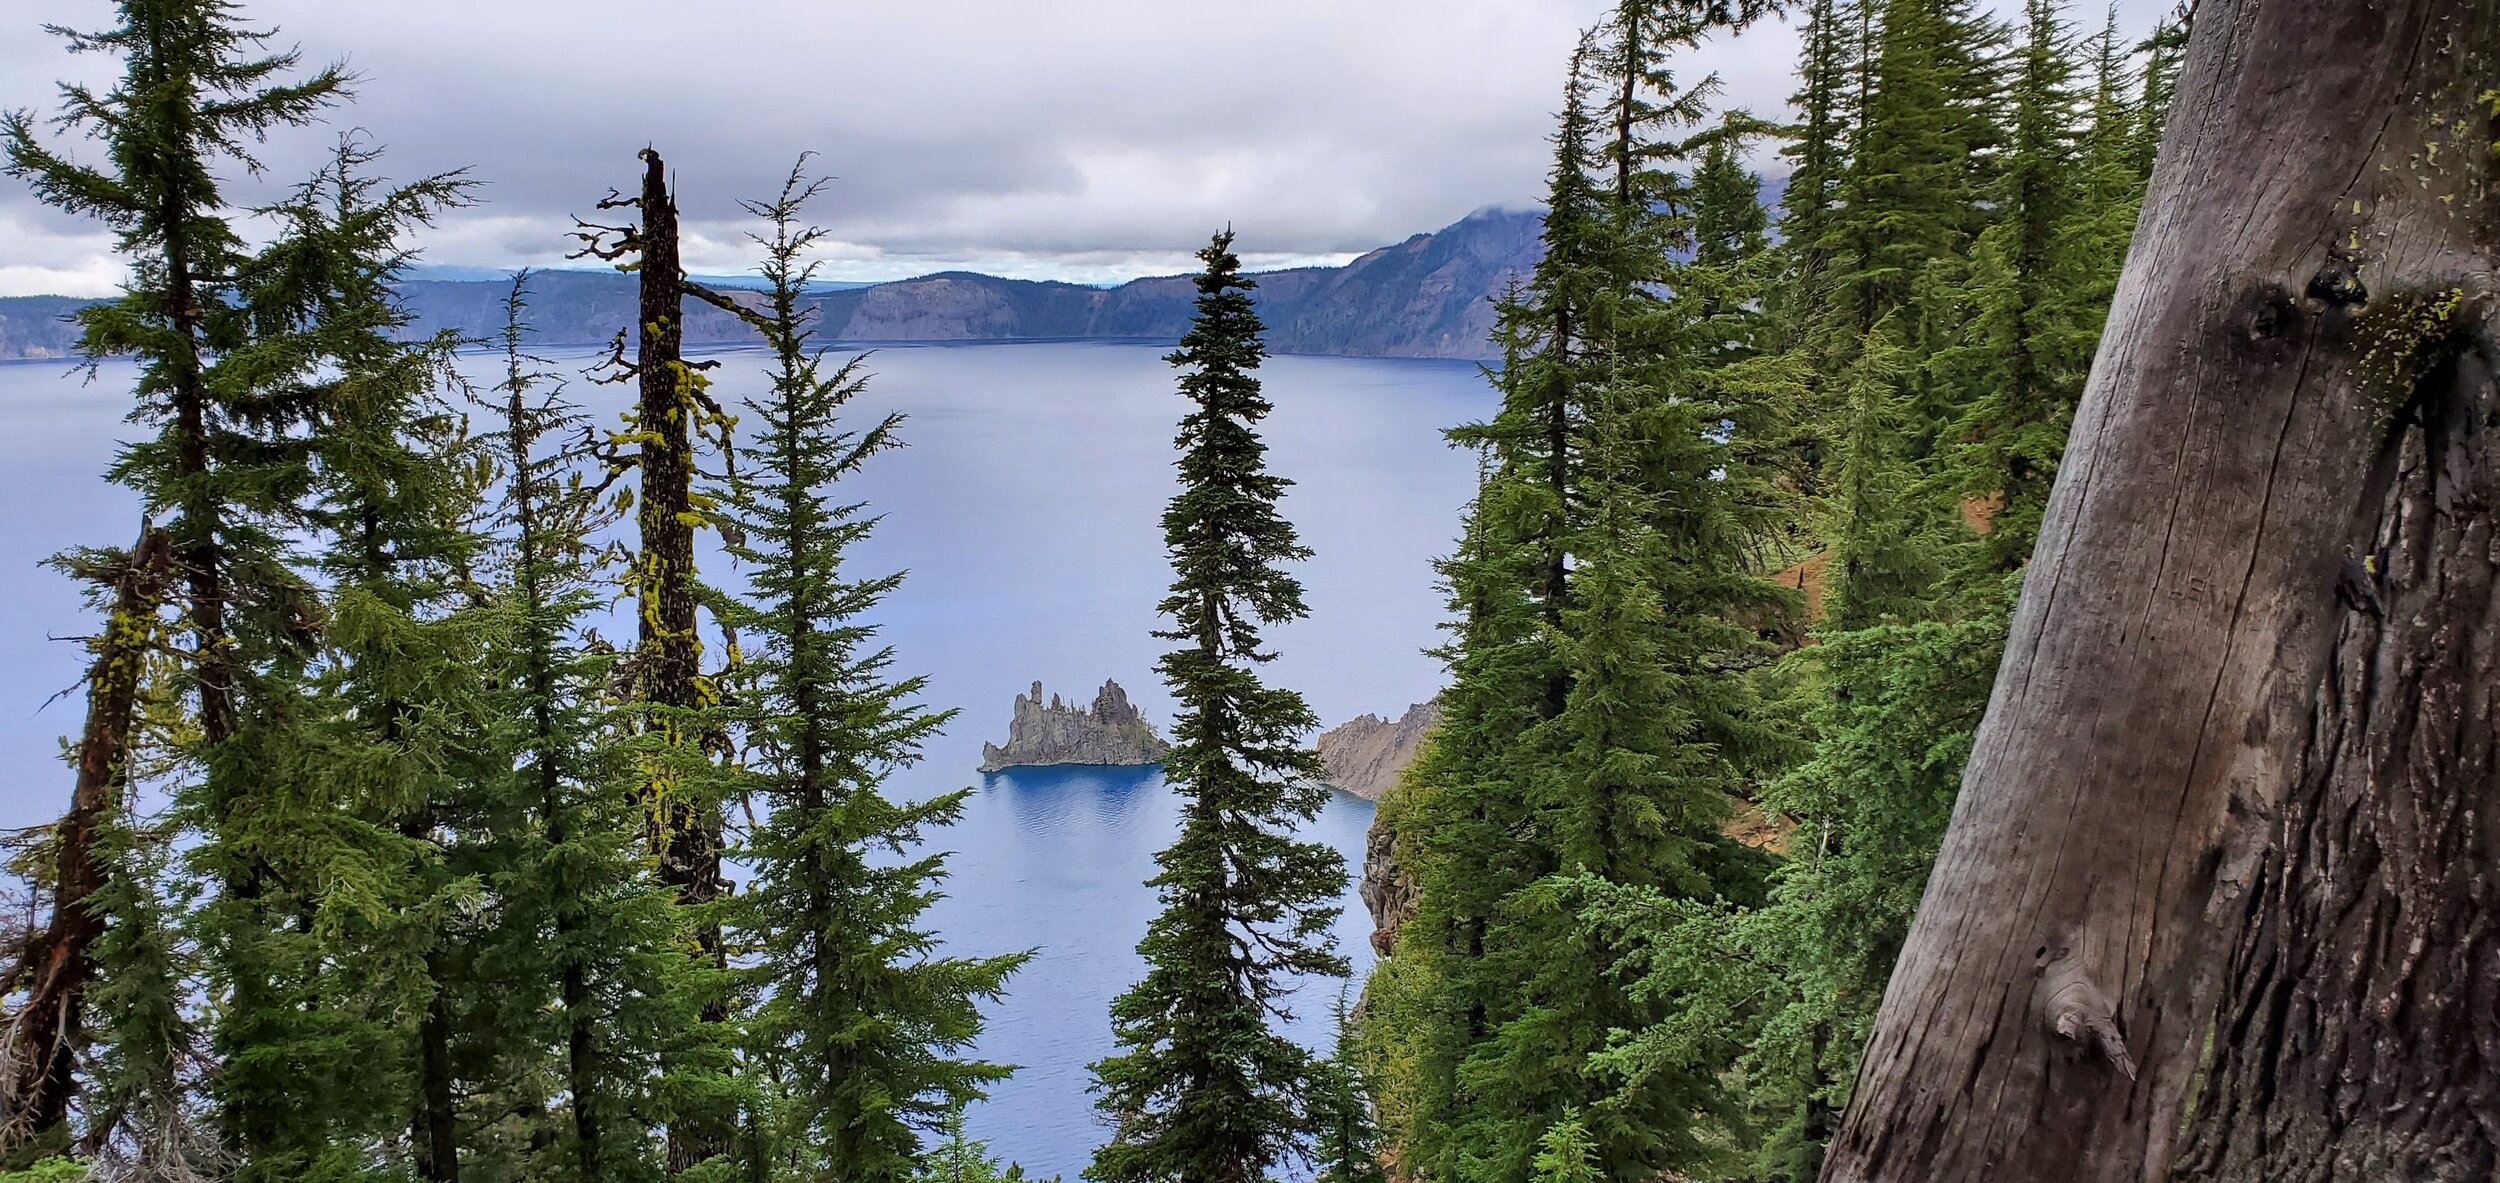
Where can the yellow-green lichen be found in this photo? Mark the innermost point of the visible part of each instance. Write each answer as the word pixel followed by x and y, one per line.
pixel 2400 341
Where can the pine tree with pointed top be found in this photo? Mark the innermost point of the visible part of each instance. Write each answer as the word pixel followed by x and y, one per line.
pixel 1508 585
pixel 385 744
pixel 1676 465
pixel 586 981
pixel 1819 148
pixel 864 1024
pixel 1918 161
pixel 198 89
pixel 1347 1143
pixel 219 331
pixel 2017 368
pixel 2165 55
pixel 1204 1089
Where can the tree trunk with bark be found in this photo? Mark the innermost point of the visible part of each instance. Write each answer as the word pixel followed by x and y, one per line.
pixel 2312 278
pixel 42 1040
pixel 2359 1038
pixel 668 658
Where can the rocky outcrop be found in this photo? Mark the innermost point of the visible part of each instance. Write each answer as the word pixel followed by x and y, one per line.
pixel 1366 755
pixel 1388 890
pixel 1054 732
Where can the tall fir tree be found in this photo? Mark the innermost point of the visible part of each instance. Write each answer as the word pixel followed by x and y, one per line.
pixel 865 1023
pixel 387 746
pixel 1918 157
pixel 2017 369
pixel 1819 145
pixel 219 336
pixel 587 979
pixel 1507 583
pixel 1677 489
pixel 1204 1089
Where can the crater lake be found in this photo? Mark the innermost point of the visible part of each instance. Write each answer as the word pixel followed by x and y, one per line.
pixel 1026 507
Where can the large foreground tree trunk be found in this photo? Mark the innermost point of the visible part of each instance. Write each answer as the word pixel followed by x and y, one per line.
pixel 2313 275
pixel 2360 1036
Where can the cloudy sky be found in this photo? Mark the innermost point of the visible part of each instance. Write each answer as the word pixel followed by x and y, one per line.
pixel 1072 139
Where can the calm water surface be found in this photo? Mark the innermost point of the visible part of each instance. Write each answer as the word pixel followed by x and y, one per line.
pixel 1026 509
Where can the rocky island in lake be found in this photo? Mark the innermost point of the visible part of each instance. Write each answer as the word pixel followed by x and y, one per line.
pixel 1110 732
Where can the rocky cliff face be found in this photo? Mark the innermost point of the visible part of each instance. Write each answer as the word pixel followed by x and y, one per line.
pixel 38 327
pixel 1388 890
pixel 1109 732
pixel 1366 755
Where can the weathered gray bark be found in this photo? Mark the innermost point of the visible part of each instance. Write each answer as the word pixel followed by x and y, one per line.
pixel 2359 1038
pixel 2314 260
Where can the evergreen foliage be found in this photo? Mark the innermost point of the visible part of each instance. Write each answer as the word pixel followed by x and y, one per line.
pixel 863 1022
pixel 1203 1088
pixel 1593 727
pixel 683 738
pixel 1347 1146
pixel 1594 981
pixel 585 980
pixel 961 1158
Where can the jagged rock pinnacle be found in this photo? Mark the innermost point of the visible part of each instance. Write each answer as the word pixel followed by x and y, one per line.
pixel 1112 731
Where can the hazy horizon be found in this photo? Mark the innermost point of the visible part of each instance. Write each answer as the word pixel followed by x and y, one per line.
pixel 1096 141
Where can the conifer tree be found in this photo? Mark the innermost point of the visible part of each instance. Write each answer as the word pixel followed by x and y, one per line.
pixel 1507 585
pixel 1917 160
pixel 1915 616
pixel 55 967
pixel 197 90
pixel 1460 812
pixel 1819 145
pixel 385 750
pixel 1655 735
pixel 142 1113
pixel 1881 562
pixel 1633 452
pixel 2165 54
pixel 584 960
pixel 1962 305
pixel 961 1158
pixel 218 335
pixel 2018 368
pixel 1815 233
pixel 1730 227
pixel 1204 1089
pixel 1347 1146
pixel 864 1023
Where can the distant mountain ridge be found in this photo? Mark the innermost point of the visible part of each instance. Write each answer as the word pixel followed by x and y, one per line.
pixel 1429 296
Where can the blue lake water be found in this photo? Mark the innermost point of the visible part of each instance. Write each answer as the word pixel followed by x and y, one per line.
pixel 1026 508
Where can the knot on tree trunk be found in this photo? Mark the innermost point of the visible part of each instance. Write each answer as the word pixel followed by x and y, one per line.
pixel 2079 1010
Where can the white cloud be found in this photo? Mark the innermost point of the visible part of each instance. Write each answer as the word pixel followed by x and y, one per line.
pixel 54 256
pixel 1048 138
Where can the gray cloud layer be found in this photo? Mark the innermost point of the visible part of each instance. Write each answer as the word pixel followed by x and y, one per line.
pixel 1081 139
